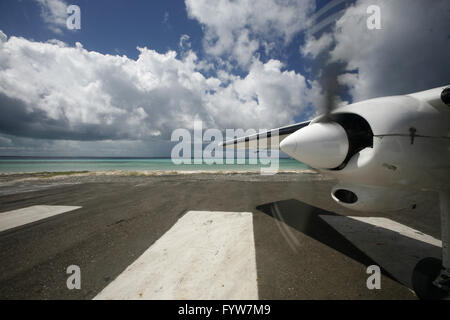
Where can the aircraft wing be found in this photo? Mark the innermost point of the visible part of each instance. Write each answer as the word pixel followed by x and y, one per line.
pixel 263 140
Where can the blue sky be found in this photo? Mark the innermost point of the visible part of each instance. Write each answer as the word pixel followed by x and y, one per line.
pixel 243 64
pixel 108 26
pixel 119 26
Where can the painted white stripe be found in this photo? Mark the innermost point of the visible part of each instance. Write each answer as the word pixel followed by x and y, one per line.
pixel 16 218
pixel 393 246
pixel 205 255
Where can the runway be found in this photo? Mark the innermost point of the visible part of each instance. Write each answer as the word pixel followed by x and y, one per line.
pixel 205 237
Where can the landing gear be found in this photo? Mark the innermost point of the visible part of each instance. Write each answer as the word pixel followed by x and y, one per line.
pixel 425 274
pixel 443 280
pixel 431 276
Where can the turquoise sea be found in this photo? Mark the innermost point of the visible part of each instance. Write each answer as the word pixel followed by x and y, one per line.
pixel 31 165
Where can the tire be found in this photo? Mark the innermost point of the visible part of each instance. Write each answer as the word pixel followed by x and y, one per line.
pixel 425 272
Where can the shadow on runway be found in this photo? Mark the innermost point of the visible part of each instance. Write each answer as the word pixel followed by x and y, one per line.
pixel 306 219
pixel 396 250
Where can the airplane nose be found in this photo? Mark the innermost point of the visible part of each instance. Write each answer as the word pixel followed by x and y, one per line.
pixel 289 145
pixel 319 145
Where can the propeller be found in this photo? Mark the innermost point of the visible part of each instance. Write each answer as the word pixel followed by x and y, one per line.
pixel 323 144
pixel 330 86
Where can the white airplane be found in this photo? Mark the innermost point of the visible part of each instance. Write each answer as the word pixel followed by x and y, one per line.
pixel 382 152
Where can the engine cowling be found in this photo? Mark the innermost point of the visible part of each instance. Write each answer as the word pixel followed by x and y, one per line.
pixel 319 145
pixel 373 198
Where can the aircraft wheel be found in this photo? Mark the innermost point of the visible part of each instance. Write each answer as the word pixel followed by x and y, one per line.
pixel 425 272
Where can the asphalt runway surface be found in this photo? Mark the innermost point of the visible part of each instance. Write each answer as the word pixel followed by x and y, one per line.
pixel 298 254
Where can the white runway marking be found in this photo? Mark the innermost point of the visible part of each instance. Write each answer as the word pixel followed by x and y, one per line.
pixel 205 255
pixel 16 218
pixel 394 246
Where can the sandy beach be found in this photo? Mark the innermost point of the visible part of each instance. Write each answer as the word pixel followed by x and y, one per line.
pixel 298 255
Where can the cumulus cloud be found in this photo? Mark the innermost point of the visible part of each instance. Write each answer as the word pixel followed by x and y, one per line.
pixel 70 97
pixel 237 29
pixel 313 46
pixel 54 91
pixel 267 97
pixel 54 13
pixel 410 53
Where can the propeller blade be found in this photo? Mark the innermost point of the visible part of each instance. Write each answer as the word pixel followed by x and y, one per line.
pixel 330 86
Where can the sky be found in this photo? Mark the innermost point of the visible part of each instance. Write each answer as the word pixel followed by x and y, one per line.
pixel 137 70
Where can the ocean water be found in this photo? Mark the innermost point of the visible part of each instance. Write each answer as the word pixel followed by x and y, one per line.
pixel 32 165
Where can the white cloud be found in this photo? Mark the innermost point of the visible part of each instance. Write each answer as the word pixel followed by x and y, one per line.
pixel 57 42
pixel 53 91
pixel 410 53
pixel 54 13
pixel 244 48
pixel 267 97
pixel 237 29
pixel 314 46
